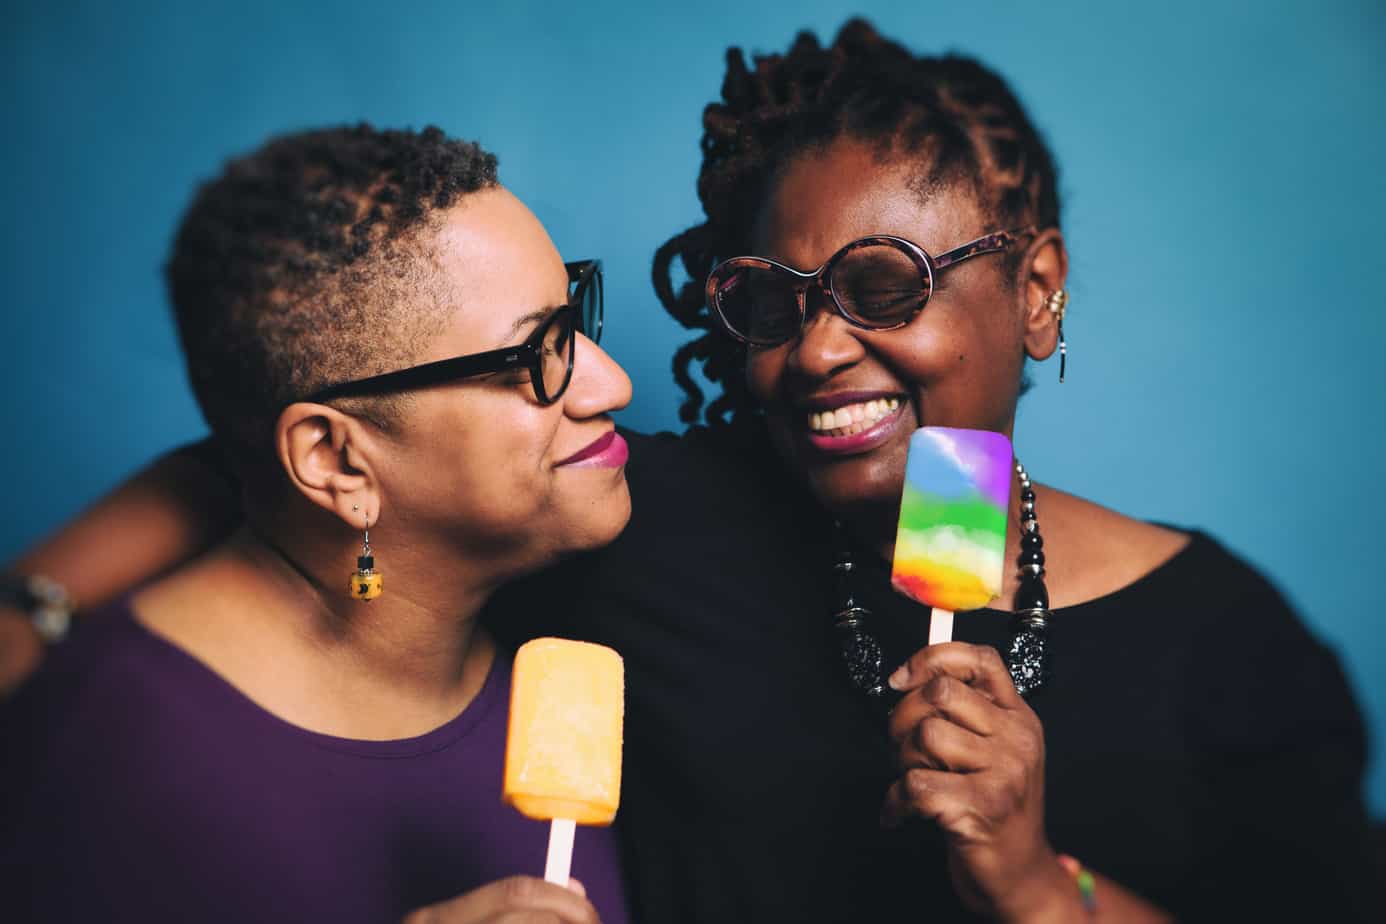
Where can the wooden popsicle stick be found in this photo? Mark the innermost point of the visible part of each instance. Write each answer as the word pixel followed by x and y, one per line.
pixel 940 626
pixel 560 859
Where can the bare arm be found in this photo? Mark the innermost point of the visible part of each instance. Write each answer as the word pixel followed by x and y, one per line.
pixel 164 515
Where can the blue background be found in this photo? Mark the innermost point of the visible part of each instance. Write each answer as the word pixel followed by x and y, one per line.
pixel 1224 206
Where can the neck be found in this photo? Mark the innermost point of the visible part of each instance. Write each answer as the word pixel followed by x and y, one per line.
pixel 395 667
pixel 416 634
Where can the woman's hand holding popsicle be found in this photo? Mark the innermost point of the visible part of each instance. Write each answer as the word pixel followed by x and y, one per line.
pixel 517 899
pixel 971 752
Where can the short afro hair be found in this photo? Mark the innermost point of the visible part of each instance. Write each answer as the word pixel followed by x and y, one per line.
pixel 306 263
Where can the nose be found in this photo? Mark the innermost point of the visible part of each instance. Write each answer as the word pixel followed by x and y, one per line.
pixel 826 344
pixel 599 385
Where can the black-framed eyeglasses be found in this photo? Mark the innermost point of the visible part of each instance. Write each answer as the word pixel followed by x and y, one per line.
pixel 547 354
pixel 876 283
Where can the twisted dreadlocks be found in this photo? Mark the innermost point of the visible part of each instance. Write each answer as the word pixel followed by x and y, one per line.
pixel 956 117
pixel 304 263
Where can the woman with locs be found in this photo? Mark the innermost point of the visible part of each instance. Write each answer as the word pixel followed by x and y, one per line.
pixel 1181 735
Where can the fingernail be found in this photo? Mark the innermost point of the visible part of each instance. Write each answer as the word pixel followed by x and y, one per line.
pixel 577 887
pixel 898 679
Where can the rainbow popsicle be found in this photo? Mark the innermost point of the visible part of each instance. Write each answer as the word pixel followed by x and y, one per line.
pixel 951 542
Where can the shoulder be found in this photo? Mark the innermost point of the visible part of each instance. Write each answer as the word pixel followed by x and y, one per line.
pixel 1254 678
pixel 1093 551
pixel 100 651
pixel 104 772
pixel 109 659
pixel 115 688
pixel 94 704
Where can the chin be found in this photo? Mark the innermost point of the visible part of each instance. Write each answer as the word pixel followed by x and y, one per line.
pixel 572 529
pixel 854 489
pixel 618 515
pixel 601 522
pixel 848 485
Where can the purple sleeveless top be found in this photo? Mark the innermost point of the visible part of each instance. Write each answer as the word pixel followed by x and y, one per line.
pixel 137 784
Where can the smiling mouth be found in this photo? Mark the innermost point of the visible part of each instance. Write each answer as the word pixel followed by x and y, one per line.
pixel 851 419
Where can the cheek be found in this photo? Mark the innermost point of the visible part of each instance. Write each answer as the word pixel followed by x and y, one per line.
pixel 764 369
pixel 965 374
pixel 962 338
pixel 518 452
pixel 923 355
pixel 486 462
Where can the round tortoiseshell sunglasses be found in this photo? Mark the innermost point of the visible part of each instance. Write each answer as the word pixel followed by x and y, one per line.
pixel 876 283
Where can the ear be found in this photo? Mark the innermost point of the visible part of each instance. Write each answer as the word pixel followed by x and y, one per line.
pixel 326 455
pixel 1045 272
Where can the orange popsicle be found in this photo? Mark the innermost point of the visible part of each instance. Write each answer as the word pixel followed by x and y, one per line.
pixel 563 748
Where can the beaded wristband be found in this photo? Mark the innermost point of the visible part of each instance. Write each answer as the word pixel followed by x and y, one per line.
pixel 1087 885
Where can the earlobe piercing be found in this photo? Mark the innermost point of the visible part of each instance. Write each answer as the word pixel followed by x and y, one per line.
pixel 1057 303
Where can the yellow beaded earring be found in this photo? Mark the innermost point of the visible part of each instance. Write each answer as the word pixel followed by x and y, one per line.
pixel 366 582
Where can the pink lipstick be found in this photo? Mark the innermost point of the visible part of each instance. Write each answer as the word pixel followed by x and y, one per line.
pixel 861 442
pixel 851 422
pixel 607 451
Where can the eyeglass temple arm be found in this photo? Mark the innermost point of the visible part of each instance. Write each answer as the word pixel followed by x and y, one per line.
pixel 991 243
pixel 577 269
pixel 434 373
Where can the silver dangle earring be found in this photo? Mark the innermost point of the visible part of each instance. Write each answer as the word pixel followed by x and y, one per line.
pixel 1057 303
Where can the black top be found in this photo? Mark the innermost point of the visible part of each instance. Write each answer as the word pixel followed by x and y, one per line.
pixel 1202 748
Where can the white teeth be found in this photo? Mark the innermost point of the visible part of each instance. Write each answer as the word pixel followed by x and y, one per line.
pixel 852 418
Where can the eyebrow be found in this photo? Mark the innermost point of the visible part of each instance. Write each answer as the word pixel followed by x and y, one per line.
pixel 537 315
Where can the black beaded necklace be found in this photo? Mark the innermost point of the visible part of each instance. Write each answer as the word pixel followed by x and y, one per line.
pixel 1027 653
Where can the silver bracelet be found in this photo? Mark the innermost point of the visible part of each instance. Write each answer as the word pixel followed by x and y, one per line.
pixel 47 603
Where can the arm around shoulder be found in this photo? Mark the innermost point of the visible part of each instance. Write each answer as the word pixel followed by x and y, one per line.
pixel 163 515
